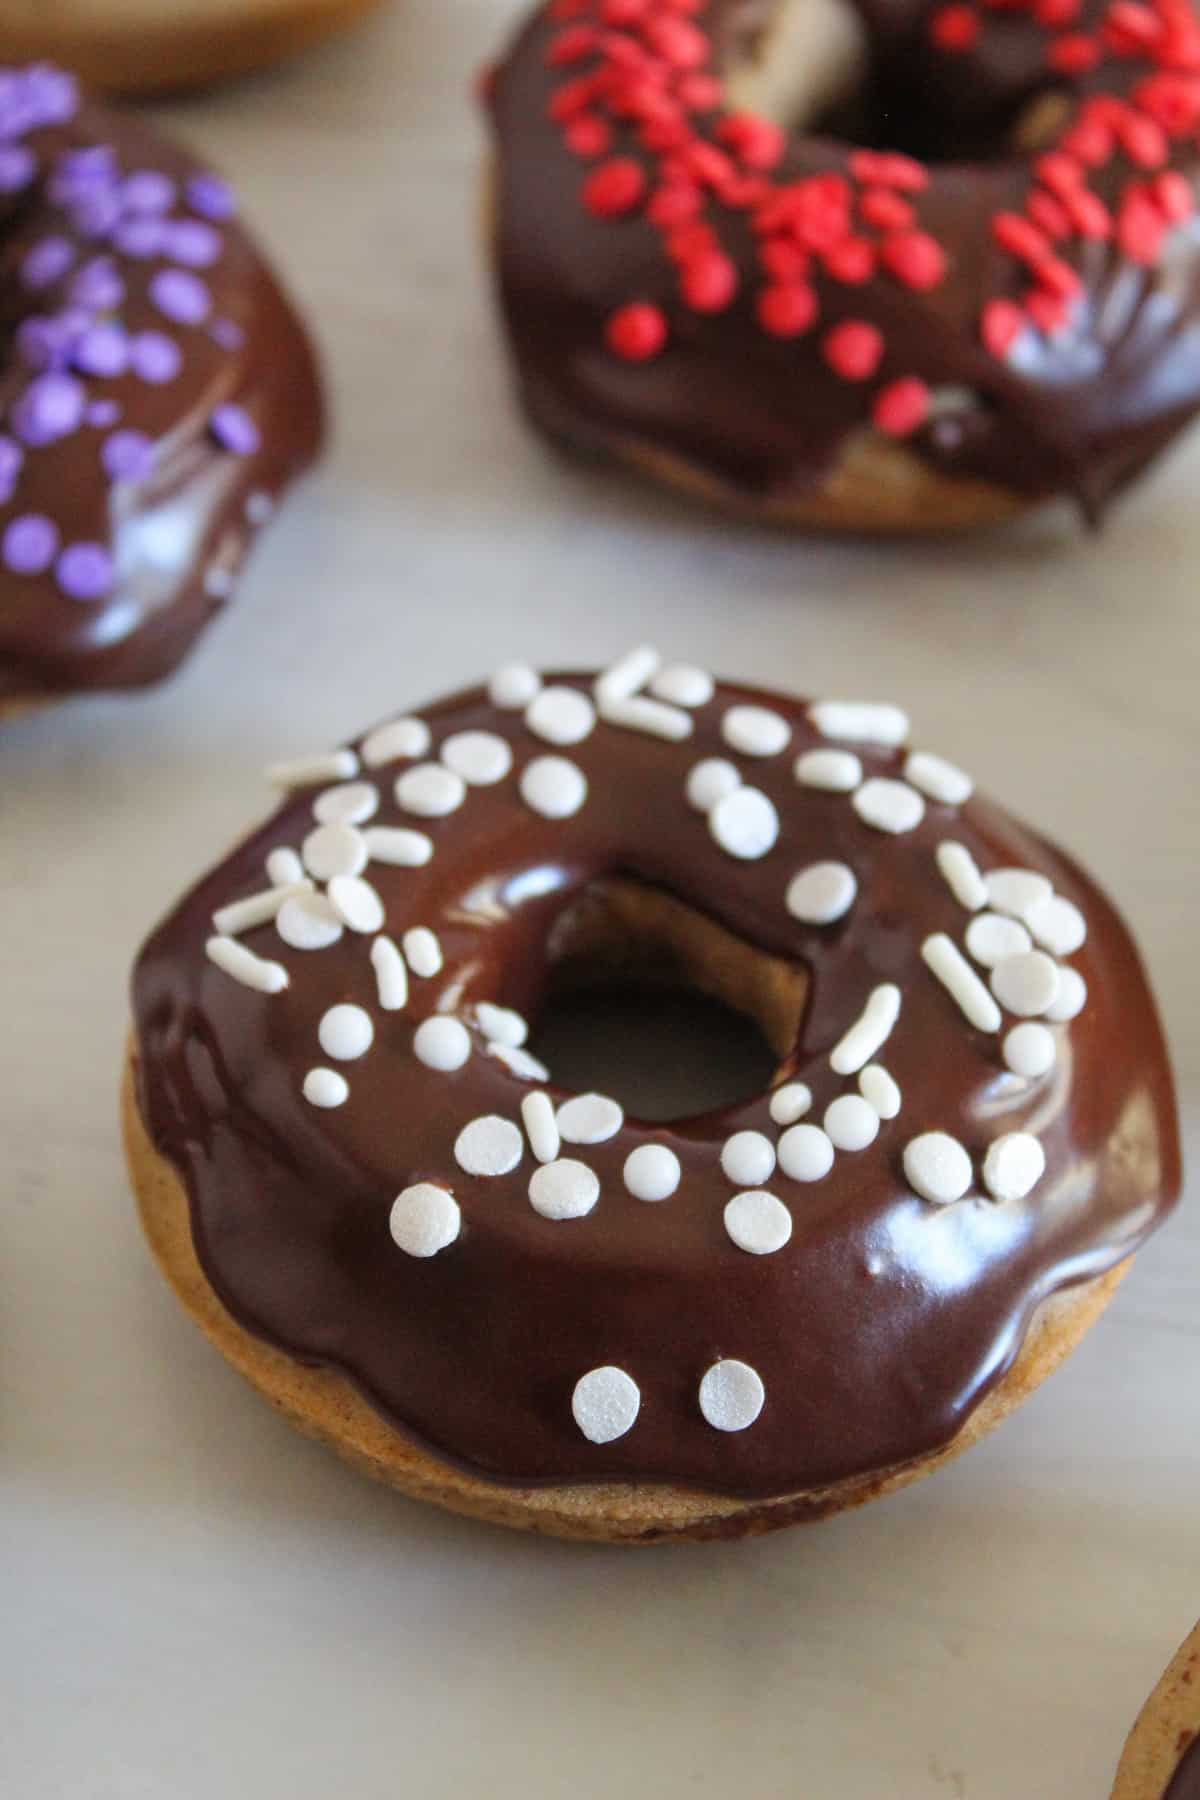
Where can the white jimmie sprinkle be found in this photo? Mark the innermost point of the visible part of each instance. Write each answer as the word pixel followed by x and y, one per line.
pixel 334 850
pixel 937 1167
pixel 758 1222
pixel 993 936
pixel 869 1032
pixel 745 824
pixel 481 758
pixel 489 1146
pixel 356 903
pixel 834 771
pixel 346 1032
pixel 940 779
pixel 257 909
pixel 307 771
pixel 943 956
pixel 755 730
pixel 649 716
pixel 683 685
pixel 628 675
pixel 284 868
pixel 563 1189
pixel 731 1395
pixel 391 975
pixel 422 952
pixel 514 686
pixel 805 1153
pixel 651 1172
pixel 851 1123
pixel 308 922
pixel 961 874
pixel 860 722
pixel 398 846
pixel 710 781
pixel 790 1102
pixel 1013 1166
pixel 350 803
pixel 1071 997
pixel 442 1043
pixel 430 791
pixel 522 1065
pixel 748 1158
pixel 890 806
pixel 553 787
pixel 1027 985
pixel 326 1088
pixel 560 715
pixel 252 971
pixel 879 1088
pixel 425 1219
pixel 605 1404
pixel 822 893
pixel 398 741
pixel 589 1119
pixel 541 1127
pixel 501 1024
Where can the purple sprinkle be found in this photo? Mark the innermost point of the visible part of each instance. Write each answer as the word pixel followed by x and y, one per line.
pixel 210 197
pixel 148 191
pixel 17 168
pixel 52 94
pixel 87 160
pixel 155 357
pixel 96 213
pixel 29 544
pixel 84 571
pixel 181 296
pixel 128 456
pixel 97 286
pixel 234 429
pixel 191 241
pixel 42 343
pixel 228 333
pixel 102 350
pixel 46 262
pixel 50 408
pixel 141 236
pixel 102 413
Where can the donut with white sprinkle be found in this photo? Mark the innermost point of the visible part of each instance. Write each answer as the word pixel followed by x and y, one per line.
pixel 529 1303
pixel 890 264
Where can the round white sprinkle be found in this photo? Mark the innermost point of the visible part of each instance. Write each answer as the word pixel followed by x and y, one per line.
pixel 346 1032
pixel 489 1146
pixel 731 1395
pixel 758 1222
pixel 308 922
pixel 652 1172
pixel 992 936
pixel 514 686
pixel 501 1024
pixel 425 1219
pixel 889 805
pixel 744 824
pixel 284 868
pixel 442 1043
pixel 356 903
pixel 252 971
pixel 563 1189
pixel 879 1089
pixel 391 975
pixel 1026 984
pixel 682 685
pixel 821 893
pixel 326 1088
pixel 395 844
pixel 351 803
pixel 560 715
pixel 1013 1166
pixel 1016 891
pixel 710 781
pixel 1071 997
pixel 836 771
pixel 805 1153
pixel 748 1158
pixel 480 757
pixel 790 1102
pixel 961 874
pixel 430 791
pixel 1030 1050
pixel 860 721
pixel 334 850
pixel 553 787
pixel 851 1122
pixel 589 1119
pixel 422 952
pixel 755 730
pixel 522 1065
pixel 605 1404
pixel 937 1167
pixel 1058 925
pixel 541 1128
pixel 398 741
pixel 938 778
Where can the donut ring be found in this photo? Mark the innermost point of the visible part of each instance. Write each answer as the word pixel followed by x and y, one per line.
pixel 160 394
pixel 847 337
pixel 518 1301
pixel 1161 1760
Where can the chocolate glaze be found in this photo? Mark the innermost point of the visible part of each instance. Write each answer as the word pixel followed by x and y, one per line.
pixel 1080 415
pixel 177 535
pixel 1185 1783
pixel 881 1325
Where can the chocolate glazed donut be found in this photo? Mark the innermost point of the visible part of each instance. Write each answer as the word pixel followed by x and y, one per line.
pixel 158 393
pixel 519 1301
pixel 847 336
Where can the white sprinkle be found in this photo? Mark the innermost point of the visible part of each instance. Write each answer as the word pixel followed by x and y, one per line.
pixel 1013 1166
pixel 252 971
pixel 652 1172
pixel 961 874
pixel 307 771
pixel 805 1153
pixel 563 1189
pixel 479 757
pixel 356 903
pixel 1030 1050
pixel 710 781
pixel 442 1043
pixel 284 868
pixel 334 850
pixel 425 1219
pixel 880 1090
pixel 731 1395
pixel 560 715
pixel 308 922
pixel 755 730
pixel 514 686
pixel 422 952
pixel 489 1146
pixel 860 722
pixel 259 507
pixel 350 803
pixel 1071 997
pixel 1028 984
pixel 430 791
pixel 346 1032
pixel 790 1102
pixel 836 771
pixel 553 787
pixel 851 1123
pixel 398 846
pixel 682 685
pixel 943 956
pixel 628 675
pixel 1058 925
pixel 605 1403
pixel 889 805
pixel 1017 891
pixel 257 909
pixel 541 1128
pixel 748 1158
pixel 398 741
pixel 993 936
pixel 526 1067
pixel 589 1119
pixel 870 1031
pixel 937 1167
pixel 758 1222
pixel 744 824
pixel 821 893
pixel 649 716
pixel 501 1024
pixel 326 1088
pixel 391 975
pixel 940 779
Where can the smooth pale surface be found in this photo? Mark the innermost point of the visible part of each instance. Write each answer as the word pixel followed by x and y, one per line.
pixel 197 1602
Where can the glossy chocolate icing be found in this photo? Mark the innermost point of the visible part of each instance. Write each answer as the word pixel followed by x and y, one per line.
pixel 880 1326
pixel 1078 414
pixel 1185 1783
pixel 175 525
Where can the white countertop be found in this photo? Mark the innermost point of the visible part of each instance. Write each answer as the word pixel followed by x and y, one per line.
pixel 196 1603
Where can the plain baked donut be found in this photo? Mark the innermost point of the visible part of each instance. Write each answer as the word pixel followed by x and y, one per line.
pixel 519 1301
pixel 836 334
pixel 1161 1760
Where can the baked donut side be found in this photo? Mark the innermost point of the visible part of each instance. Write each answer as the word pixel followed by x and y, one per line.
pixel 1161 1760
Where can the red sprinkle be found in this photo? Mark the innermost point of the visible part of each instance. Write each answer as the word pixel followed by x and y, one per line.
pixel 1060 173
pixel 709 282
pixel 588 135
pixel 954 28
pixel 1174 100
pixel 702 93
pixel 1054 14
pixel 1048 213
pixel 1049 312
pixel 674 204
pixel 571 45
pixel 902 406
pixel 1000 325
pixel 1014 233
pixel 760 143
pixel 787 310
pixel 1143 140
pixel 1141 226
pixel 637 331
pixel 622 12
pixel 1089 215
pixel 853 349
pixel 615 187
pixel 852 260
pixel 1073 54
pixel 783 260
pixel 1172 193
pixel 886 209
pixel 890 168
pixel 914 257
pixel 682 44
